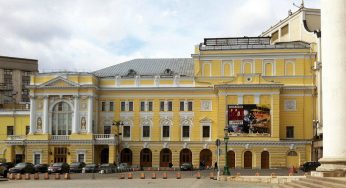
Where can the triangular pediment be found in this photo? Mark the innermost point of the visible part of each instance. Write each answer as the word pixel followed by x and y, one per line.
pixel 59 82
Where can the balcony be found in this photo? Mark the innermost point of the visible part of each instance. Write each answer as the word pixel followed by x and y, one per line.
pixel 16 137
pixel 104 136
pixel 60 137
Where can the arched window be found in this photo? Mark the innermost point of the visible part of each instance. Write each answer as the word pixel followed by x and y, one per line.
pixel 206 69
pixel 248 67
pixel 228 69
pixel 61 119
pixel 268 69
pixel 289 68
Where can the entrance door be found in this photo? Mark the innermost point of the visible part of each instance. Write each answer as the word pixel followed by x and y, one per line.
pixel 205 158
pixel 60 154
pixel 165 157
pixel 248 159
pixel 104 155
pixel 146 158
pixel 19 158
pixel 231 159
pixel 126 156
pixel 292 159
pixel 185 156
pixel 265 160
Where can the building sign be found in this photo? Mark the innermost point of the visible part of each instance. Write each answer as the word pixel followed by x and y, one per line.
pixel 249 118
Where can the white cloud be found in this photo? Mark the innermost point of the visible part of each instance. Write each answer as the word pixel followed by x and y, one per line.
pixel 89 35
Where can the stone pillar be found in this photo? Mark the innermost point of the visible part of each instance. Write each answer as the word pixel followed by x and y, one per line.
pixel 32 115
pixel 333 20
pixel 90 114
pixel 75 123
pixel 45 115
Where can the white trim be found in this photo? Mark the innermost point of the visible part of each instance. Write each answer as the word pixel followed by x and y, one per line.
pixel 245 62
pixel 78 152
pixel 33 156
pixel 268 61
pixel 296 95
pixel 126 138
pixel 134 96
pixel 201 133
pixel 11 113
pixel 279 55
pixel 210 67
pixel 231 67
pixel 294 67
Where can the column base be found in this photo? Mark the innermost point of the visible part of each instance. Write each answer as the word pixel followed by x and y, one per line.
pixel 331 167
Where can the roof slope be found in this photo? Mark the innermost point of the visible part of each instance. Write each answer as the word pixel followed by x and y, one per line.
pixel 181 66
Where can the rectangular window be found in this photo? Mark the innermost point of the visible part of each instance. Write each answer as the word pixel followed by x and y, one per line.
pixel 107 130
pixel 146 131
pixel 37 158
pixel 103 106
pixel 142 106
pixel 10 130
pixel 27 129
pixel 150 106
pixel 284 30
pixel 186 131
pixel 111 106
pixel 189 106
pixel 206 131
pixel 165 131
pixel 122 107
pixel 126 131
pixel 182 103
pixel 290 132
pixel 162 106
pixel 170 106
pixel 275 36
pixel 81 157
pixel 131 106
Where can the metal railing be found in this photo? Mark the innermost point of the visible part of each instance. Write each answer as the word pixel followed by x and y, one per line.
pixel 60 137
pixel 104 136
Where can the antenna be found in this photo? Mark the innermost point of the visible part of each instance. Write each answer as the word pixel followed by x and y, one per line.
pixel 301 5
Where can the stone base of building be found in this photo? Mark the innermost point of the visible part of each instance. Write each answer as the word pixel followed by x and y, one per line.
pixel 331 167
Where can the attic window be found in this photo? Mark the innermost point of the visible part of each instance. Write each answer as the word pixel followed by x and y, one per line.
pixel 131 72
pixel 275 36
pixel 284 30
pixel 168 72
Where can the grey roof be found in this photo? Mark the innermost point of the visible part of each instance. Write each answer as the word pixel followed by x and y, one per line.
pixel 150 67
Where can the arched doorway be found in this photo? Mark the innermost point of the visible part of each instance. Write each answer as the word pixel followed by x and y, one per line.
pixel 104 155
pixel 165 157
pixel 265 160
pixel 146 158
pixel 248 159
pixel 185 156
pixel 231 159
pixel 292 159
pixel 205 158
pixel 126 156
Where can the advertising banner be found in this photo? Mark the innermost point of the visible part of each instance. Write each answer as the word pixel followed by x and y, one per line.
pixel 249 118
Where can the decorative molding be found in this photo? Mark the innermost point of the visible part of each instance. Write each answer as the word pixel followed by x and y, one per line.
pixel 165 145
pixel 206 120
pixel 206 105
pixel 290 105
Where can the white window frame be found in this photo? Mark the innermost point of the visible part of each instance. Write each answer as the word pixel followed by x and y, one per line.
pixel 248 61
pixel 122 135
pixel 268 61
pixel 185 138
pixel 146 138
pixel 33 156
pixel 290 61
pixel 210 70
pixel 81 152
pixel 127 106
pixel 231 66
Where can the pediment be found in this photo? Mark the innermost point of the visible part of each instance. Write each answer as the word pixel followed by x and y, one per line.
pixel 206 120
pixel 59 82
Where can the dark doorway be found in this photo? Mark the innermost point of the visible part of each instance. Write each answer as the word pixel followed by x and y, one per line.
pixel 126 156
pixel 231 159
pixel 104 155
pixel 19 158
pixel 265 160
pixel 60 154
pixel 165 157
pixel 248 159
pixel 146 158
pixel 185 156
pixel 205 158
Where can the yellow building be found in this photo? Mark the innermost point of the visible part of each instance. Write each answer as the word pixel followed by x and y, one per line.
pixel 173 110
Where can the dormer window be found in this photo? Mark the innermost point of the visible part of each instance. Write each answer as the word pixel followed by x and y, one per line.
pixel 168 72
pixel 131 72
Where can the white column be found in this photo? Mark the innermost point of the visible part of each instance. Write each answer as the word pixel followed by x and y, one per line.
pixel 45 115
pixel 32 114
pixel 333 19
pixel 90 114
pixel 75 123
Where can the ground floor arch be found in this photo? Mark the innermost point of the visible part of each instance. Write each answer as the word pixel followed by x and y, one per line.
pixel 292 159
pixel 205 158
pixel 126 156
pixel 231 159
pixel 265 160
pixel 185 156
pixel 165 157
pixel 146 158
pixel 248 159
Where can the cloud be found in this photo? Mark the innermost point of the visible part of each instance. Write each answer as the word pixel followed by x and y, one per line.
pixel 90 35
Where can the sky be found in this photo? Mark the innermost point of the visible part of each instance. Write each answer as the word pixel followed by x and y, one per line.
pixel 87 35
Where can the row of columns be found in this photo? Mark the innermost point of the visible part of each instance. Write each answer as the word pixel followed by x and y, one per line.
pixel 45 116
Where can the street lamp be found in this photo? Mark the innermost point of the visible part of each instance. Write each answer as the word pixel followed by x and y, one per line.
pixel 118 124
pixel 226 169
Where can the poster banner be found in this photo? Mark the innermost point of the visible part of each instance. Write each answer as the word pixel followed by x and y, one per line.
pixel 249 118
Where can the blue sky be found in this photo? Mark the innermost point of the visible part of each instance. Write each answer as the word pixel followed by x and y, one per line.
pixel 86 35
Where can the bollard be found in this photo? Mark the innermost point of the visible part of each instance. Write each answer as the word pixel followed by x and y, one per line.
pixel 67 176
pixel 164 175
pixel 57 176
pixel 211 175
pixel 198 175
pixel 18 176
pixel 257 174
pixel 142 175
pixel 36 176
pixel 129 176
pixel 27 176
pixel 46 176
pixel 153 175
pixel 178 175
pixel 122 176
pixel 11 176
